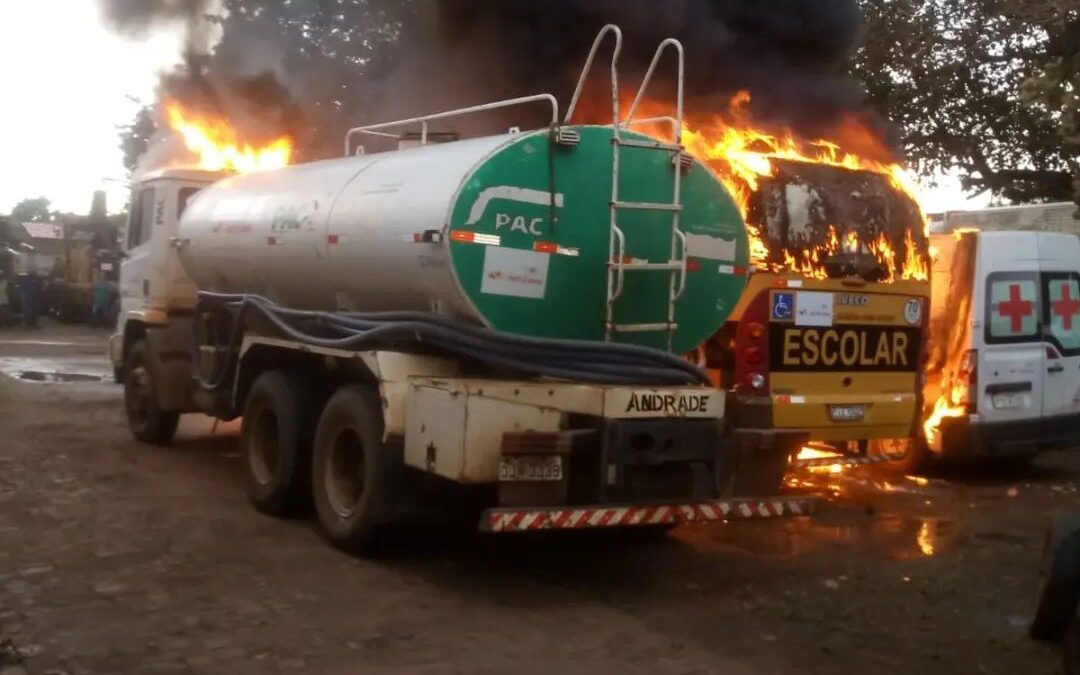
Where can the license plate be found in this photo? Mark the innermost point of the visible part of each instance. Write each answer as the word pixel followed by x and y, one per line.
pixel 1001 401
pixel 530 468
pixel 847 413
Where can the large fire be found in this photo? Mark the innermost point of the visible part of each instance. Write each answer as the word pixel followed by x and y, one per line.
pixel 742 154
pixel 218 147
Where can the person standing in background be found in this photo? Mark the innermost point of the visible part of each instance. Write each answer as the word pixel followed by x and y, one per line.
pixel 5 305
pixel 99 296
pixel 29 298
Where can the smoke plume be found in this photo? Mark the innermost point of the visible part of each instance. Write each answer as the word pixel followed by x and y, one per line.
pixel 364 61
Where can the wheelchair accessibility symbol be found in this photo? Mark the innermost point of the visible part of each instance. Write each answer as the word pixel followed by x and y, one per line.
pixel 783 306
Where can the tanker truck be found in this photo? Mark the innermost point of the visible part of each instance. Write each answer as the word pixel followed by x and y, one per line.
pixel 493 323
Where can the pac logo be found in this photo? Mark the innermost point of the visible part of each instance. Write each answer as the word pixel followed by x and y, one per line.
pixel 783 306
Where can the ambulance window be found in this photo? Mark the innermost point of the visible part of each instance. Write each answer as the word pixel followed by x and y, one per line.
pixel 1012 307
pixel 182 198
pixel 1061 311
pixel 141 225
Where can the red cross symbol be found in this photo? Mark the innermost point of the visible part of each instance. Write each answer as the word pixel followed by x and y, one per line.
pixel 1015 308
pixel 1066 307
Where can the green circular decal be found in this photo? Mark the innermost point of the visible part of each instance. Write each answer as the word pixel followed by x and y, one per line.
pixel 530 236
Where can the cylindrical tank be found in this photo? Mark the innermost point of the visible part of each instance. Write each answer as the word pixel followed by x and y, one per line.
pixel 509 231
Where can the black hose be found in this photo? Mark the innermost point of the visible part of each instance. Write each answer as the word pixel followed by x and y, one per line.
pixel 574 360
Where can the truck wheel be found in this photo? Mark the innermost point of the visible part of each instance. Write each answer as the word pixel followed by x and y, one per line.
pixel 276 433
pixel 148 422
pixel 1059 598
pixel 351 469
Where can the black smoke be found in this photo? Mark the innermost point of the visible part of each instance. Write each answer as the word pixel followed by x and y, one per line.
pixel 791 55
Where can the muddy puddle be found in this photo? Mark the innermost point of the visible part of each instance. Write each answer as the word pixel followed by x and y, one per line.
pixel 55 370
pixel 891 535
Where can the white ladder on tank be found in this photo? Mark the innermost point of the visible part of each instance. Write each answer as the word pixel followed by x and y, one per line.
pixel 618 265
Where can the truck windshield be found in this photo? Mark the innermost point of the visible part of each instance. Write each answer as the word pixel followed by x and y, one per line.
pixel 182 198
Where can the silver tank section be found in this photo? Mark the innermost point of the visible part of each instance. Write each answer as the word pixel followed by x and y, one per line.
pixel 338 234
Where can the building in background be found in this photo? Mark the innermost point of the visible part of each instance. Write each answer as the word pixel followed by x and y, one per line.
pixel 1056 217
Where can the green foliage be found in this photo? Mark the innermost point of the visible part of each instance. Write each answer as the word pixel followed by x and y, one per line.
pixel 34 209
pixel 135 137
pixel 949 74
pixel 1054 86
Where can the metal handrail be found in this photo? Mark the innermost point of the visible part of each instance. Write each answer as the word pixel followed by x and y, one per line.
pixel 617 32
pixel 423 120
pixel 670 42
pixel 684 262
pixel 666 119
pixel 620 269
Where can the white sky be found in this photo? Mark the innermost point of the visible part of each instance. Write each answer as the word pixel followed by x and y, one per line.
pixel 65 81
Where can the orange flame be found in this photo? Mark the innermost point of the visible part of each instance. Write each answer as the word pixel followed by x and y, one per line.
pixel 809 452
pixel 742 154
pixel 218 147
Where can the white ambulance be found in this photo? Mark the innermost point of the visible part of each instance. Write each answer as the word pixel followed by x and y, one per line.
pixel 1003 369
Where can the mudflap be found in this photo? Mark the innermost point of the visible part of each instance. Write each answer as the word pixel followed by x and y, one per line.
pixel 170 347
pixel 762 459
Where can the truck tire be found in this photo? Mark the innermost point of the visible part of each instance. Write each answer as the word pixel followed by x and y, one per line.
pixel 1059 597
pixel 351 469
pixel 1072 649
pixel 276 434
pixel 148 422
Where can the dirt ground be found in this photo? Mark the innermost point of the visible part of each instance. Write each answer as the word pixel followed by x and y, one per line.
pixel 120 558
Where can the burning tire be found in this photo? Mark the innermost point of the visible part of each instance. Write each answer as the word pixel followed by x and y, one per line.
pixel 900 455
pixel 276 435
pixel 148 422
pixel 352 470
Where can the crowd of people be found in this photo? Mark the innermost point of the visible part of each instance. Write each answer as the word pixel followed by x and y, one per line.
pixel 25 297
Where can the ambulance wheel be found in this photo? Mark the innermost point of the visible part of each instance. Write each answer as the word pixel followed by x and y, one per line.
pixel 275 437
pixel 911 455
pixel 1059 597
pixel 148 422
pixel 352 470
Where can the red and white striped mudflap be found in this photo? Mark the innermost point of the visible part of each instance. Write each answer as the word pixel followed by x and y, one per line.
pixel 546 518
pixel 843 460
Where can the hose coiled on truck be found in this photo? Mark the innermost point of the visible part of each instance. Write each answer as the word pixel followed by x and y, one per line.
pixel 573 360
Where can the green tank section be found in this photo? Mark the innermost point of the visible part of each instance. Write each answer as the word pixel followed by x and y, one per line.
pixel 529 241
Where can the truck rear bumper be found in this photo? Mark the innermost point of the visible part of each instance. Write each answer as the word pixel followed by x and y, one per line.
pixel 610 516
pixel 967 437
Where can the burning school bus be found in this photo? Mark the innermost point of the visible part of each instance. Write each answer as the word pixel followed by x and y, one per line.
pixel 830 334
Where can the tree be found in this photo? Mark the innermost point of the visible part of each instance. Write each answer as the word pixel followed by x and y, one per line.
pixel 949 74
pixel 135 137
pixel 1054 87
pixel 31 210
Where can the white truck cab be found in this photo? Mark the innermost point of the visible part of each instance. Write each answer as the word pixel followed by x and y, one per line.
pixel 1006 332
pixel 152 281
